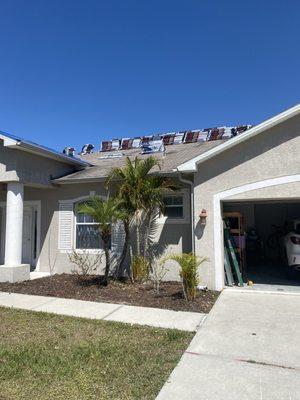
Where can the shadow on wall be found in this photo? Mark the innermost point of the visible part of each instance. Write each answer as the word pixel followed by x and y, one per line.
pixel 162 239
pixel 174 237
pixel 199 230
pixel 171 239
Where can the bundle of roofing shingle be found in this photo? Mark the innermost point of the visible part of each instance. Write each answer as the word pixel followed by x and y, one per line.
pixel 171 138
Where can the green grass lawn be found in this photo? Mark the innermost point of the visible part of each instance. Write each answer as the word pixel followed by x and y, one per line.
pixel 44 356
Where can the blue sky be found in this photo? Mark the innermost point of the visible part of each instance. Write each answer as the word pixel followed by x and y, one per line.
pixel 73 72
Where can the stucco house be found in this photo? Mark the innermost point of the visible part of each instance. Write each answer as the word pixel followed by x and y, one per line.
pixel 256 173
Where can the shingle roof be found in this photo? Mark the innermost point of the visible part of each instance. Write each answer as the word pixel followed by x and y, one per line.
pixel 173 156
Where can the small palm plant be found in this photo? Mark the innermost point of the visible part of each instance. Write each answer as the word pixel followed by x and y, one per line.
pixel 189 264
pixel 104 213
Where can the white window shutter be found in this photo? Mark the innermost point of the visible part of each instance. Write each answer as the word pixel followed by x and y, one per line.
pixel 65 236
pixel 117 238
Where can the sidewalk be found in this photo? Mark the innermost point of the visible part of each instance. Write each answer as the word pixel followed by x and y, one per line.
pixel 181 320
pixel 247 349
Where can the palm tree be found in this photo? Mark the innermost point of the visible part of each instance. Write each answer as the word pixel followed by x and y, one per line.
pixel 140 192
pixel 105 213
pixel 131 188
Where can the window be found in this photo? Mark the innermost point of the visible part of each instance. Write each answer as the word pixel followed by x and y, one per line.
pixel 87 232
pixel 173 207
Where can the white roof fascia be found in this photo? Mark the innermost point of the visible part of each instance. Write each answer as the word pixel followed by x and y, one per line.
pixel 7 141
pixel 40 150
pixel 191 165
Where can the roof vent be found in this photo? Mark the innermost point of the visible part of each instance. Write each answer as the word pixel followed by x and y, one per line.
pixel 87 149
pixel 69 151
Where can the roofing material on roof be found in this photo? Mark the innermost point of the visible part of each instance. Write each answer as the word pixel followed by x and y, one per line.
pixel 189 144
pixel 169 160
pixel 170 138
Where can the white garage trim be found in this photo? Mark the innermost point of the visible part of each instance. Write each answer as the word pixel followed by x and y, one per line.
pixel 218 222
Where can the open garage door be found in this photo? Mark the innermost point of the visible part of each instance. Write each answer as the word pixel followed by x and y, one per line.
pixel 266 237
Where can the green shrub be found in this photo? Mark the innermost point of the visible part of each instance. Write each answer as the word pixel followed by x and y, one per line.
pixel 140 268
pixel 189 264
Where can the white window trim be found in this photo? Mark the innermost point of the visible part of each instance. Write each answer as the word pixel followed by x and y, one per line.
pixel 95 251
pixel 74 202
pixel 185 206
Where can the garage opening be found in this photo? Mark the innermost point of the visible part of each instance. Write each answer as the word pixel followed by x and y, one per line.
pixel 265 238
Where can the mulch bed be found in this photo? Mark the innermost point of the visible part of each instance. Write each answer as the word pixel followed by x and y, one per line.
pixel 138 294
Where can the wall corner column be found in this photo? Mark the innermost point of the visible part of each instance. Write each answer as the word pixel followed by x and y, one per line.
pixel 13 270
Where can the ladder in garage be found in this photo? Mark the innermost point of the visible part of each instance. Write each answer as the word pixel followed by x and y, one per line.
pixel 230 260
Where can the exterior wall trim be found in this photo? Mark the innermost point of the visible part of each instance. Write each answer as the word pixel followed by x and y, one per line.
pixel 81 198
pixel 187 212
pixel 218 223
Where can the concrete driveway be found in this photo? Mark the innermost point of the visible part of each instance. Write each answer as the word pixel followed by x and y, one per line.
pixel 248 348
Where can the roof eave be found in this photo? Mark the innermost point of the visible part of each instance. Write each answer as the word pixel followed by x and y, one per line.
pixel 61 181
pixel 66 180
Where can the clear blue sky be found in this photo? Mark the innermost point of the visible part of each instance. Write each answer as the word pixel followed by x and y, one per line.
pixel 73 71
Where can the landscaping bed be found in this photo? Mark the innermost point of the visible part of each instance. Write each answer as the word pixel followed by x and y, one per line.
pixel 47 357
pixel 69 286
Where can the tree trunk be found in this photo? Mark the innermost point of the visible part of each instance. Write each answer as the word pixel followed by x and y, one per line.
pixel 107 260
pixel 131 258
pixel 119 268
pixel 148 237
pixel 138 234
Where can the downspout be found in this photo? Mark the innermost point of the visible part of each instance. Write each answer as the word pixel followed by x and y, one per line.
pixel 191 185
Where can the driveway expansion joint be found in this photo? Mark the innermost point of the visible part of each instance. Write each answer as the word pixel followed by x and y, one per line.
pixel 110 313
pixel 248 361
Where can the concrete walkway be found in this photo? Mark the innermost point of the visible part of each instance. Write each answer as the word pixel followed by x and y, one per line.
pixel 185 321
pixel 247 349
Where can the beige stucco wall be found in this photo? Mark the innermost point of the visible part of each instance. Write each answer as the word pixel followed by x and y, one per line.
pixel 18 165
pixel 274 153
pixel 288 191
pixel 169 238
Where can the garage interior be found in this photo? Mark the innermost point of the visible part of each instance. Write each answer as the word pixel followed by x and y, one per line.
pixel 260 226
